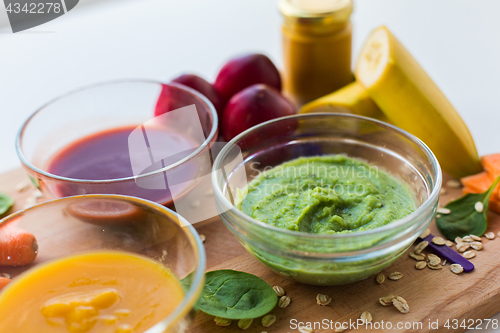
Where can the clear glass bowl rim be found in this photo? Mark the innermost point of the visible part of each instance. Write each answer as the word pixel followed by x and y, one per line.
pixel 404 221
pixel 200 149
pixel 196 287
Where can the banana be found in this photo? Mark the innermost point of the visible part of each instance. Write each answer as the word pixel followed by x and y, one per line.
pixel 412 101
pixel 352 98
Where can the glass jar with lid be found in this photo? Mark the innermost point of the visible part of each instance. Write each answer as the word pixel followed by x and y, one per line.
pixel 317 39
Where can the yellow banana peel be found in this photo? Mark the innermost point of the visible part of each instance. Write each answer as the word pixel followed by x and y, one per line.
pixel 412 101
pixel 352 98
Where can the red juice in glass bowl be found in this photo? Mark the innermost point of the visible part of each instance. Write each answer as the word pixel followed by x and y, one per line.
pixel 104 139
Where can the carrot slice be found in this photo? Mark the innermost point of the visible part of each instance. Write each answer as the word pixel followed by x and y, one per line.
pixel 467 190
pixel 491 164
pixel 3 282
pixel 480 183
pixel 17 247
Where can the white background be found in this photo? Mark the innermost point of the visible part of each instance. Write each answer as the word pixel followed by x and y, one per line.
pixel 456 41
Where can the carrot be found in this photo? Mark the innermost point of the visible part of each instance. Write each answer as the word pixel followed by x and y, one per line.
pixel 480 183
pixel 17 247
pixel 491 164
pixel 494 206
pixel 494 203
pixel 3 282
pixel 467 190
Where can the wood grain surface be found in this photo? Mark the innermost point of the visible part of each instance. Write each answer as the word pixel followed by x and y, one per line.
pixel 433 295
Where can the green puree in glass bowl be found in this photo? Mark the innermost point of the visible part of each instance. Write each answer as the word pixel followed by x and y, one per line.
pixel 326 195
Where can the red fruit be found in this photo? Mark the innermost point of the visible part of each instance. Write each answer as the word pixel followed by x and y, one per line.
pixel 252 106
pixel 240 73
pixel 169 100
pixel 201 85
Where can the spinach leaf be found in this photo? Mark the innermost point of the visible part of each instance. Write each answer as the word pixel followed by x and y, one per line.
pixel 186 282
pixel 463 219
pixel 236 295
pixel 6 201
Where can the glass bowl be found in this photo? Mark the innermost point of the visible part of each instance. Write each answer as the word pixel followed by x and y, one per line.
pixel 149 161
pixel 326 259
pixel 81 224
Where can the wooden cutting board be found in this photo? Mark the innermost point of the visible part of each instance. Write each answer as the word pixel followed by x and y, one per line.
pixel 433 295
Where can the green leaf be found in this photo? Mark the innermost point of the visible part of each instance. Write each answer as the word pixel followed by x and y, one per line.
pixel 186 284
pixel 463 219
pixel 236 295
pixel 6 201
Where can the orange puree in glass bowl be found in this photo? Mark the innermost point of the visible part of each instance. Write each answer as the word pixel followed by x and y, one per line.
pixel 103 292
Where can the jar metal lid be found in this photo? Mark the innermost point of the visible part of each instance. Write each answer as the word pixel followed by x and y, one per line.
pixel 332 10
